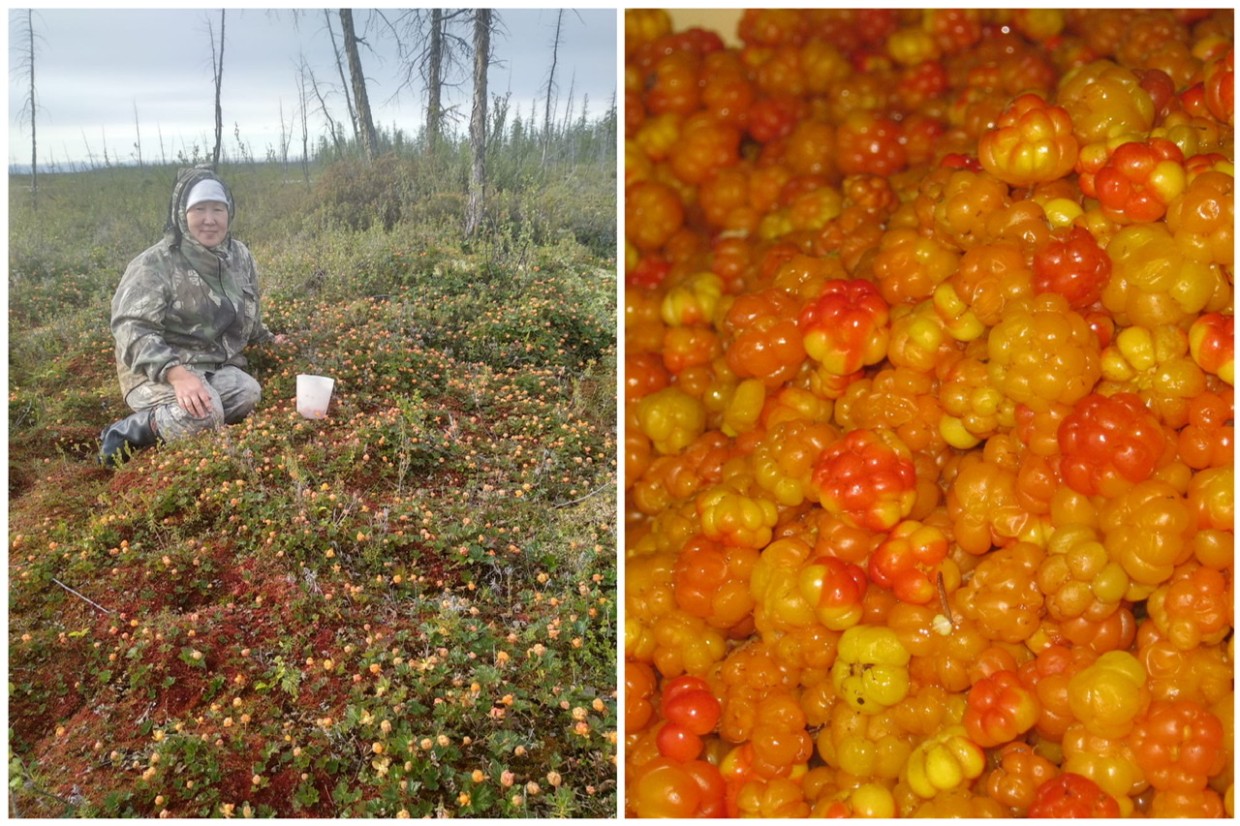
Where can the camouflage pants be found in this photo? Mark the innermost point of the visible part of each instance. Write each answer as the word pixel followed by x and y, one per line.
pixel 234 395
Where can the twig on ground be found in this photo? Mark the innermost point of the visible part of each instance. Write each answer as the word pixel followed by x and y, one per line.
pixel 584 498
pixel 79 596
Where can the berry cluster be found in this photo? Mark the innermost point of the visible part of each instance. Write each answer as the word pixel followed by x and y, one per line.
pixel 928 410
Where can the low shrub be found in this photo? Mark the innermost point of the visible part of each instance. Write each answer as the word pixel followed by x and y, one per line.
pixel 407 608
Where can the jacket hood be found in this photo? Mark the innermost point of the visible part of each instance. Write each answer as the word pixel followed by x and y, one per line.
pixel 177 226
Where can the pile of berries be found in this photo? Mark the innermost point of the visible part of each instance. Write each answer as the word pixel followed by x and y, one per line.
pixel 929 414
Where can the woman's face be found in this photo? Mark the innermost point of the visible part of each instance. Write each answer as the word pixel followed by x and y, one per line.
pixel 208 222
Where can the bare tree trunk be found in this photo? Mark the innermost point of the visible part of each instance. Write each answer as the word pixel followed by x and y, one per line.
pixel 34 143
pixel 137 128
pixel 430 51
pixel 434 82
pixel 30 105
pixel 217 64
pixel 344 83
pixel 555 49
pixel 331 123
pixel 305 123
pixel 286 139
pixel 565 129
pixel 478 122
pixel 366 122
pixel 90 156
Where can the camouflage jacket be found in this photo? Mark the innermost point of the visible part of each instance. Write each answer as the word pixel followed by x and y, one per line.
pixel 180 303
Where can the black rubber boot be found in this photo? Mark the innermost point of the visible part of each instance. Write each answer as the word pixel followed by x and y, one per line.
pixel 122 439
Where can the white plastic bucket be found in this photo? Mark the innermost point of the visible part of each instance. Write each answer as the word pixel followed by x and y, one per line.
pixel 313 395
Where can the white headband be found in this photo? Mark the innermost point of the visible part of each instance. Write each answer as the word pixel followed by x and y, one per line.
pixel 208 190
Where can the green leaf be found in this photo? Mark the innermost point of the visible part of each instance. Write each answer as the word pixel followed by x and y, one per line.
pixel 193 657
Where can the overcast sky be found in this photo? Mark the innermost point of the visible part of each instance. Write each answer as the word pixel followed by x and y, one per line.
pixel 110 76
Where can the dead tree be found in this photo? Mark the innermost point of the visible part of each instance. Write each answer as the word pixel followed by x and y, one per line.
pixel 286 140
pixel 434 59
pixel 365 120
pixel 344 83
pixel 137 128
pixel 308 73
pixel 30 104
pixel 217 68
pixel 555 49
pixel 478 122
pixel 305 122
pixel 434 82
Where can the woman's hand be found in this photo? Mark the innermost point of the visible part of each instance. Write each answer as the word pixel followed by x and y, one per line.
pixel 191 392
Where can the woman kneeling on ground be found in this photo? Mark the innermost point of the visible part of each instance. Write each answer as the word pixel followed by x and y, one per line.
pixel 184 311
